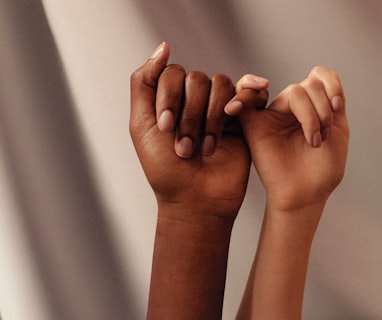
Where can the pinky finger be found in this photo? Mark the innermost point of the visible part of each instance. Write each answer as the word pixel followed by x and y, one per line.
pixel 246 98
pixel 250 81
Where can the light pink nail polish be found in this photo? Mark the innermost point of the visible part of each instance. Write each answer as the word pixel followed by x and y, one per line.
pixel 252 81
pixel 158 50
pixel 184 147
pixel 336 103
pixel 233 108
pixel 208 145
pixel 166 121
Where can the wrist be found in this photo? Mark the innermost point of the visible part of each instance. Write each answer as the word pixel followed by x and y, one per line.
pixel 189 263
pixel 200 212
pixel 299 221
pixel 193 222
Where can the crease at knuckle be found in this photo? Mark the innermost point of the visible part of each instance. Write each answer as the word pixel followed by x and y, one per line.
pixel 189 119
pixel 295 89
pixel 313 84
pixel 139 78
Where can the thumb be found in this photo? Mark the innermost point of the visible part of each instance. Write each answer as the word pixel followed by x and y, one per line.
pixel 143 86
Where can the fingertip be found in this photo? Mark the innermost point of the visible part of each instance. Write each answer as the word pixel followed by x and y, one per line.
pixel 337 103
pixel 166 121
pixel 184 147
pixel 208 145
pixel 251 81
pixel 233 108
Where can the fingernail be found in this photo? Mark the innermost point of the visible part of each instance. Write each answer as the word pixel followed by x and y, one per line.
pixel 325 133
pixel 157 51
pixel 208 145
pixel 184 147
pixel 166 121
pixel 233 108
pixel 316 139
pixel 256 80
pixel 337 103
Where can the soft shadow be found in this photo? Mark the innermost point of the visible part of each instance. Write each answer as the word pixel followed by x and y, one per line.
pixel 62 214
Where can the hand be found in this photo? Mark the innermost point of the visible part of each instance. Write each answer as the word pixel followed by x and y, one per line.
pixel 299 143
pixel 171 110
pixel 197 163
pixel 298 146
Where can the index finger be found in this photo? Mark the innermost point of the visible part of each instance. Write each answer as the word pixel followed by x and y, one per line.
pixel 143 86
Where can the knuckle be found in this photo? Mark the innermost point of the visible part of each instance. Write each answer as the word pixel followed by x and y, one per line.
pixel 318 70
pixel 197 76
pixel 294 89
pixel 222 79
pixel 139 77
pixel 174 67
pixel 313 83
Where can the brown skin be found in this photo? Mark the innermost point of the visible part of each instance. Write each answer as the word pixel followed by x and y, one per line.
pixel 199 190
pixel 299 172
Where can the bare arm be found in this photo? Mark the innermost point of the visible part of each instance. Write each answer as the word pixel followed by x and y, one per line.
pixel 299 147
pixel 189 150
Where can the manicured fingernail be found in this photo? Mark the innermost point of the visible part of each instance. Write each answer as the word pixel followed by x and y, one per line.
pixel 325 133
pixel 256 80
pixel 316 139
pixel 166 121
pixel 184 147
pixel 157 51
pixel 337 103
pixel 233 108
pixel 208 145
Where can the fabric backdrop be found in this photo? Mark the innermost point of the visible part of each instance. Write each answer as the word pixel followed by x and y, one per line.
pixel 77 216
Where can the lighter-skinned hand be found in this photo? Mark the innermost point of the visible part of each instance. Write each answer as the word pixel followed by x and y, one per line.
pixel 299 143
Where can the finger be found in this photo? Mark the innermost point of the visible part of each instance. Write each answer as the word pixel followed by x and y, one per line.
pixel 246 98
pixel 250 81
pixel 332 85
pixel 197 87
pixel 169 96
pixel 143 84
pixel 222 90
pixel 321 103
pixel 294 99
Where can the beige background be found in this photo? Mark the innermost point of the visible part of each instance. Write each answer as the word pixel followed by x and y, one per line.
pixel 77 216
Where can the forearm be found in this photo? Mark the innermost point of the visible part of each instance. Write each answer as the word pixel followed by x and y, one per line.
pixel 189 265
pixel 276 284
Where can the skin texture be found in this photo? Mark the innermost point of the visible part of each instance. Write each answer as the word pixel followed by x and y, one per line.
pixel 188 131
pixel 298 146
pixel 199 188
